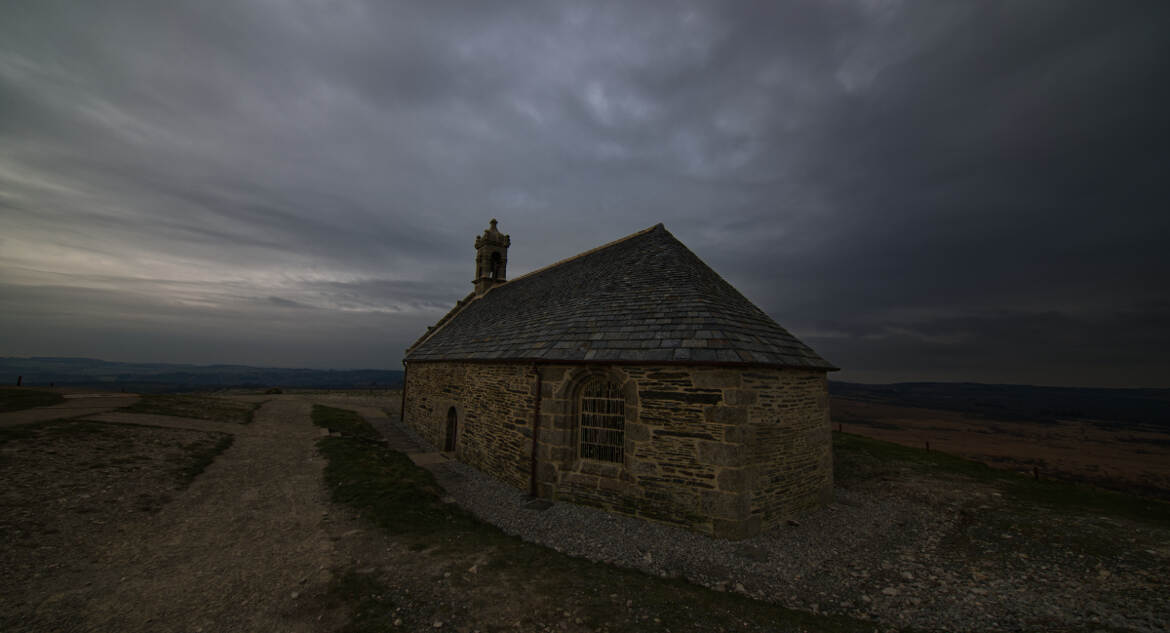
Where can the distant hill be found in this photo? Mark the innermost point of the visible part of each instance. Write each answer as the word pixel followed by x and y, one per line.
pixel 1127 407
pixel 160 377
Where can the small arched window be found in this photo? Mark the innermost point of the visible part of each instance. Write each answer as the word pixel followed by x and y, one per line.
pixel 601 420
pixel 495 271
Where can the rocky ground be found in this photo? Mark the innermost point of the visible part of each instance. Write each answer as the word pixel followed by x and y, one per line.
pixel 69 488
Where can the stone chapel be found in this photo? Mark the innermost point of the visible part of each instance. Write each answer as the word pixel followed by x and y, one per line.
pixel 631 377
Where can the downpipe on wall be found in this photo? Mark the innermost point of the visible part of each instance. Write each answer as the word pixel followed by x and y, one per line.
pixel 535 428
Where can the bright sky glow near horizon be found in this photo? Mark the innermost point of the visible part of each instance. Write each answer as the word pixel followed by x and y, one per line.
pixel 927 190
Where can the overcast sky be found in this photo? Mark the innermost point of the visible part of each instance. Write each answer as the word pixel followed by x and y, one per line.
pixel 918 190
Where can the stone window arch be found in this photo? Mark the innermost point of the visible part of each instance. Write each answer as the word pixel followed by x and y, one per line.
pixel 601 420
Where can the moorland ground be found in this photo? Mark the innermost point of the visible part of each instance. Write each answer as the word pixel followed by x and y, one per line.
pixel 1126 457
pixel 245 513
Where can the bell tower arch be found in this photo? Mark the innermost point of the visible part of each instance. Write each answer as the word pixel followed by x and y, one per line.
pixel 491 259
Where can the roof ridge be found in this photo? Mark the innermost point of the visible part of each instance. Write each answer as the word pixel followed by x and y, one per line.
pixel 588 252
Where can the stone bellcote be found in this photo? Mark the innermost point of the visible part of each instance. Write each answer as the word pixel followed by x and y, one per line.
pixel 491 259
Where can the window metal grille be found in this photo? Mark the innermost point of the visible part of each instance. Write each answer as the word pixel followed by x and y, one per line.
pixel 602 421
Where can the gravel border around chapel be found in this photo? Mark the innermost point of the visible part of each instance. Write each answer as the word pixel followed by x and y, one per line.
pixel 900 552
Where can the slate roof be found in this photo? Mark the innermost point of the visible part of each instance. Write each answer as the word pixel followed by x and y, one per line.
pixel 643 298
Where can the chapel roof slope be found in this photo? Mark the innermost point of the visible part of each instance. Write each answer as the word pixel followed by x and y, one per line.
pixel 643 298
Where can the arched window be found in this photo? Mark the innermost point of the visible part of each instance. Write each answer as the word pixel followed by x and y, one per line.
pixel 495 271
pixel 601 420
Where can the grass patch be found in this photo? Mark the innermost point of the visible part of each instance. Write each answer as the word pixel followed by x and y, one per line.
pixel 343 421
pixel 403 499
pixel 199 407
pixel 15 399
pixel 388 488
pixel 199 457
pixel 857 458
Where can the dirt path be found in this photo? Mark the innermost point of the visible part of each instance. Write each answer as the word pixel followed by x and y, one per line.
pixel 233 552
pixel 74 406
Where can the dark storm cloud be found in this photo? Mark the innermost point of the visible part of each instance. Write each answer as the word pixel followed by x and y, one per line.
pixel 1002 170
pixel 1111 349
pixel 958 190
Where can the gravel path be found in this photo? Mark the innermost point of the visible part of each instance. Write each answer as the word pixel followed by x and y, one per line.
pixel 906 551
pixel 238 544
pixel 232 553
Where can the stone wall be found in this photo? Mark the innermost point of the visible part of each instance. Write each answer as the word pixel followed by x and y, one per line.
pixel 494 404
pixel 721 451
pixel 790 457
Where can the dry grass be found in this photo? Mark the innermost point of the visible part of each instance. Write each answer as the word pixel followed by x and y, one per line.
pixel 1097 452
pixel 16 399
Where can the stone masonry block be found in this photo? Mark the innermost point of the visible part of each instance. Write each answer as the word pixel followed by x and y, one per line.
pixel 723 505
pixel 552 374
pixel 716 378
pixel 601 469
pixel 733 480
pixel 720 454
pixel 644 468
pixel 740 397
pixel 727 415
pixel 555 436
pixel 563 454
pixel 736 434
pixel 613 485
pixel 665 398
pixel 577 479
pixel 561 422
pixel 546 473
pixel 556 406
pixel 638 432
